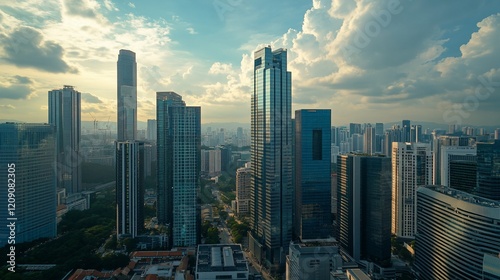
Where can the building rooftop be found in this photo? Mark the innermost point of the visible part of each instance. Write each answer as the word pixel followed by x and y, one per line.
pixel 220 257
pixel 464 196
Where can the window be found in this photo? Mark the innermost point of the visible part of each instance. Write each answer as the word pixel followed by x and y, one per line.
pixel 317 145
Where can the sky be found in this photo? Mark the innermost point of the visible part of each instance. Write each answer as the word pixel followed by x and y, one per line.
pixel 367 61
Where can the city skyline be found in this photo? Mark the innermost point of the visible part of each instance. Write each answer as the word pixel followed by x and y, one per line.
pixel 343 56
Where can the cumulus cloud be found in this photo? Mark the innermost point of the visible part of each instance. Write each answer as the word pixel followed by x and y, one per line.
pixel 89 98
pixel 16 87
pixel 221 68
pixel 26 47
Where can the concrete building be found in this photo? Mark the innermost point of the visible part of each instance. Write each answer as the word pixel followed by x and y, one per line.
pixel 456 230
pixel 488 171
pixel 313 259
pixel 411 167
pixel 243 189
pixel 211 162
pixel 450 153
pixel 221 262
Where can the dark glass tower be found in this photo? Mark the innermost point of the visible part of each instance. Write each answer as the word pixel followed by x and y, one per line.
pixel 488 170
pixel 271 157
pixel 313 174
pixel 179 164
pixel 364 207
pixel 28 152
pixel 127 96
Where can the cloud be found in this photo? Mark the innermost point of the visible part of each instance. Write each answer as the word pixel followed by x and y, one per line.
pixel 89 98
pixel 7 106
pixel 131 5
pixel 191 31
pixel 221 68
pixel 83 8
pixel 14 92
pixel 110 6
pixel 21 80
pixel 25 47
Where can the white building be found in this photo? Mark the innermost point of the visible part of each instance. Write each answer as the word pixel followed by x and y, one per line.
pixel 411 167
pixel 243 187
pixel 312 260
pixel 221 261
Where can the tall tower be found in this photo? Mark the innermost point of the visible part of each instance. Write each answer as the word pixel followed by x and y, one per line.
pixel 313 174
pixel 127 96
pixel 271 157
pixel 179 164
pixel 130 188
pixel 65 115
pixel 364 207
pixel 27 155
pixel 411 167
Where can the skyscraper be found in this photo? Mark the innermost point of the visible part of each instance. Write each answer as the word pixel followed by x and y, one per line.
pixel 488 170
pixel 313 174
pixel 364 207
pixel 127 96
pixel 455 231
pixel 406 127
pixel 243 187
pixel 369 140
pixel 27 154
pixel 130 188
pixel 411 167
pixel 179 143
pixel 65 115
pixel 271 157
pixel 151 130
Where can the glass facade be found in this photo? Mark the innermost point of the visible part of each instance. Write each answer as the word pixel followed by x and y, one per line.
pixel 65 114
pixel 127 96
pixel 455 231
pixel 313 174
pixel 488 170
pixel 271 155
pixel 31 148
pixel 179 164
pixel 364 207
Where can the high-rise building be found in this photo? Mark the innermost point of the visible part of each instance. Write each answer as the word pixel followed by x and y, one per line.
pixel 313 174
pixel 451 145
pixel 151 130
pixel 411 167
pixel 497 134
pixel 449 153
pixel 369 146
pixel 312 260
pixel 364 207
pixel 243 188
pixel 379 128
pixel 355 128
pixel 406 133
pixel 27 155
pixel 129 188
pixel 211 162
pixel 488 170
pixel 463 174
pixel 179 142
pixel 455 231
pixel 271 157
pixel 127 96
pixel 65 114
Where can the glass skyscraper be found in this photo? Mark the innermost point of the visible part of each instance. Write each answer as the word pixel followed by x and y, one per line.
pixel 313 174
pixel 127 96
pixel 271 157
pixel 488 170
pixel 179 164
pixel 31 148
pixel 65 115
pixel 364 207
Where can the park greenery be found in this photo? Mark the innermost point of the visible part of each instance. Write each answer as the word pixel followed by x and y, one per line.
pixel 238 229
pixel 210 233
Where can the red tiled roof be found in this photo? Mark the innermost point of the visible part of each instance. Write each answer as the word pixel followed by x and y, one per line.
pixel 152 277
pixel 79 274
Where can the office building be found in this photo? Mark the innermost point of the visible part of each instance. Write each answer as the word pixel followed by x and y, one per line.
pixel 452 145
pixel 370 140
pixel 355 128
pixel 211 162
pixel 450 153
pixel 488 171
pixel 463 174
pixel 178 172
pixel 221 261
pixel 312 260
pixel 27 155
pixel 455 231
pixel 129 188
pixel 127 96
pixel 243 189
pixel 271 157
pixel 411 167
pixel 65 114
pixel 151 130
pixel 406 131
pixel 395 134
pixel 364 207
pixel 313 174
